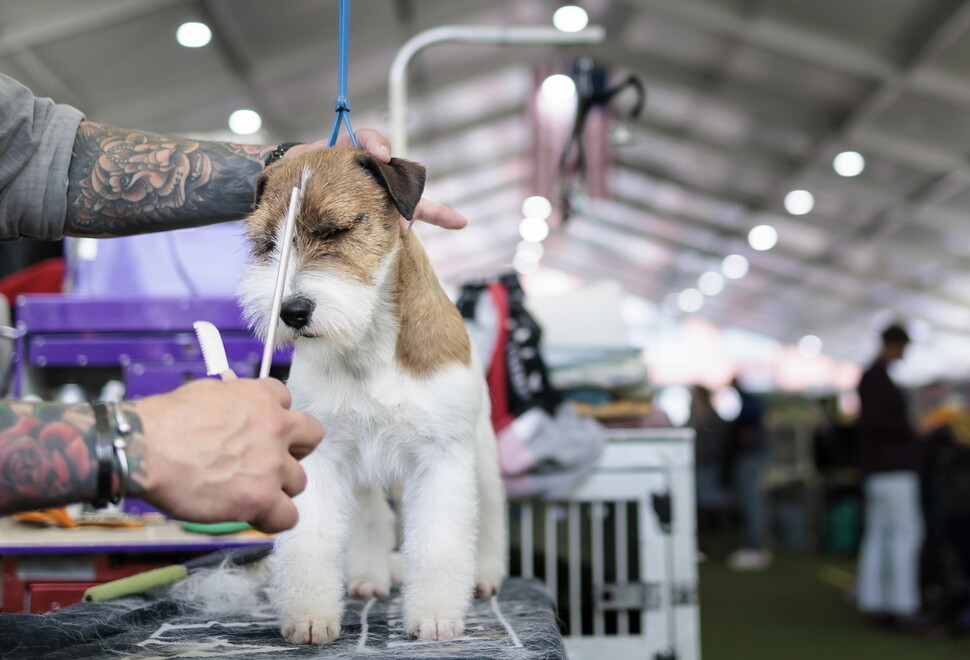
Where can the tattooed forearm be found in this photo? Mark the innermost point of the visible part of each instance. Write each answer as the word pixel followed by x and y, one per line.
pixel 47 455
pixel 124 182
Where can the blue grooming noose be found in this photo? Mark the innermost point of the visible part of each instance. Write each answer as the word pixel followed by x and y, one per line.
pixel 342 104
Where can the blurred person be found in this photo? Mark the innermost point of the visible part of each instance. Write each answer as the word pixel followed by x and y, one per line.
pixel 710 451
pixel 890 458
pixel 748 451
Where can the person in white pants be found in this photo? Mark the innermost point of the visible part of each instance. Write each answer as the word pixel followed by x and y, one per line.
pixel 890 457
pixel 888 571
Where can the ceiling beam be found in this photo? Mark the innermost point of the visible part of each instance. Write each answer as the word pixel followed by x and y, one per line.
pixel 84 18
pixel 817 49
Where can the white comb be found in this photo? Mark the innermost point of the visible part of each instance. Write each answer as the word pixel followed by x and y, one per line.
pixel 213 350
pixel 296 200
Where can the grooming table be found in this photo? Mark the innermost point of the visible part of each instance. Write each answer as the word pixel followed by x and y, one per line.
pixel 519 624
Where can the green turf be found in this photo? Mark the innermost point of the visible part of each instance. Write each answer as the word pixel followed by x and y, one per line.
pixel 795 610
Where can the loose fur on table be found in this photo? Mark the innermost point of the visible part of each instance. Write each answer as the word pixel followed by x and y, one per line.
pixel 383 359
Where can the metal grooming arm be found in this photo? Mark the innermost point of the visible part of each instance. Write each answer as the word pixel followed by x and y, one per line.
pixel 469 34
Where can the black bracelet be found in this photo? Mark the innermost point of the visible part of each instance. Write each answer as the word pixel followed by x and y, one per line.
pixel 104 453
pixel 119 444
pixel 278 152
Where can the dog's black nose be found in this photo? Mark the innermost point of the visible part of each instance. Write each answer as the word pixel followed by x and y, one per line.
pixel 296 312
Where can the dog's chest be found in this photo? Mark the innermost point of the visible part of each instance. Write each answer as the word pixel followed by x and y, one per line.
pixel 382 420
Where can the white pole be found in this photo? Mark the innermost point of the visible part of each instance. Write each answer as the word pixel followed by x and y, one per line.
pixel 471 34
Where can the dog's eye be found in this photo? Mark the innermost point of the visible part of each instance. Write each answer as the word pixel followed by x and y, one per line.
pixel 327 230
pixel 263 246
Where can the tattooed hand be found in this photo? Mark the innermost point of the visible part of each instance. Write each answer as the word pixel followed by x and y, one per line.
pixel 215 451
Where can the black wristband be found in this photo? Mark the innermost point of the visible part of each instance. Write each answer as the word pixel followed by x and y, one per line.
pixel 278 152
pixel 104 453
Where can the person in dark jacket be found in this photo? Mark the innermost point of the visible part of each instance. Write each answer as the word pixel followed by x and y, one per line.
pixel 748 463
pixel 890 456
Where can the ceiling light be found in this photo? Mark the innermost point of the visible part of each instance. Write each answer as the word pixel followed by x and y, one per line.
pixel 531 247
pixel 245 122
pixel 690 300
pixel 525 263
pixel 193 35
pixel 559 88
pixel 763 237
pixel 849 163
pixel 810 346
pixel 799 202
pixel 711 283
pixel 536 206
pixel 734 266
pixel 570 18
pixel 534 229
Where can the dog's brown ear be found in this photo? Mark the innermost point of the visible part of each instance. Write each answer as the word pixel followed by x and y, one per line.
pixel 402 179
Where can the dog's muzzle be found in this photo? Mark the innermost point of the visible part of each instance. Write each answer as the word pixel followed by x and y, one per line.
pixel 296 312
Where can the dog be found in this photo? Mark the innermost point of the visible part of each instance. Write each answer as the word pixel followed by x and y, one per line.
pixel 382 358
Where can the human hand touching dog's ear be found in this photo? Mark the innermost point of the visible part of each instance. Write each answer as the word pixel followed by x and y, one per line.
pixel 427 211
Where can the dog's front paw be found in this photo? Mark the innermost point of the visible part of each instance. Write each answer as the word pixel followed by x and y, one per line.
pixel 368 588
pixel 436 628
pixel 316 628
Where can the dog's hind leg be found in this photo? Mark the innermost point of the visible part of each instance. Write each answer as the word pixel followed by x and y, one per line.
pixel 440 520
pixel 492 534
pixel 307 568
pixel 371 544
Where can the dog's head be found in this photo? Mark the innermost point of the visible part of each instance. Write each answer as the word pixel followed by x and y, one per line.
pixel 347 232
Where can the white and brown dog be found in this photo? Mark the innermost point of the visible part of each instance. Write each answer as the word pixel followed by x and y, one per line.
pixel 382 358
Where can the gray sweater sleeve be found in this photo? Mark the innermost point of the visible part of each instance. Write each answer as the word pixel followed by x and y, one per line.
pixel 36 140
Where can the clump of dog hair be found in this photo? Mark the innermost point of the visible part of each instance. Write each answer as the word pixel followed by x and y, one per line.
pixel 225 590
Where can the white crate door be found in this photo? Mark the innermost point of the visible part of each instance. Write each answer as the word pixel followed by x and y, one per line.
pixel 607 556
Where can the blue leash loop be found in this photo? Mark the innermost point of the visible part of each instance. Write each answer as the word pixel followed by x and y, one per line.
pixel 342 104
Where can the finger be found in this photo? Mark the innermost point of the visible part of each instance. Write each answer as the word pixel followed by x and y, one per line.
pixel 306 434
pixel 370 140
pixel 436 214
pixel 276 389
pixel 278 517
pixel 294 477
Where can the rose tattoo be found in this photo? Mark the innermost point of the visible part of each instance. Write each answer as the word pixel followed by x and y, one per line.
pixel 143 171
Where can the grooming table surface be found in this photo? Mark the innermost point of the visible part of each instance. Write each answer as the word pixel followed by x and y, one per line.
pixel 518 624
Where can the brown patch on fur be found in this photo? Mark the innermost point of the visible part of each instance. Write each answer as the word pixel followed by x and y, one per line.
pixel 432 332
pixel 348 223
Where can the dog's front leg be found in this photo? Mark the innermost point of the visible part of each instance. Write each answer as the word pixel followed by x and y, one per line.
pixel 371 544
pixel 440 521
pixel 307 567
pixel 492 529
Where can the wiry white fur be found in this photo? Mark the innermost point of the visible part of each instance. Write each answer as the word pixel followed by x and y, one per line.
pixel 431 434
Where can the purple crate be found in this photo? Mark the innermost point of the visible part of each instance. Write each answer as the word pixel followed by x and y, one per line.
pixel 64 313
pixel 64 331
